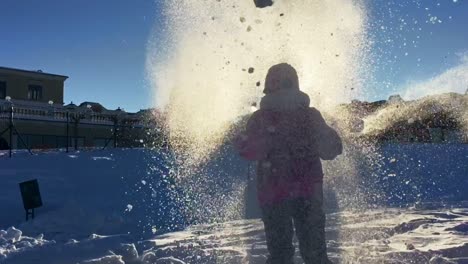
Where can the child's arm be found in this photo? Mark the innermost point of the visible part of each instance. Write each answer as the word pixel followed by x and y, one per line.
pixel 328 141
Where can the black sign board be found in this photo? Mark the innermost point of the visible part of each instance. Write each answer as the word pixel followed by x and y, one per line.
pixel 30 194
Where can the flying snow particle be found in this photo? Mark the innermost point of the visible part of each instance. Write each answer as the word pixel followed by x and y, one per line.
pixel 433 19
pixel 143 182
pixel 263 3
pixel 129 208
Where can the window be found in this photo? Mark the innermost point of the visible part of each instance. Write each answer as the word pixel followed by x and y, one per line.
pixel 35 92
pixel 2 90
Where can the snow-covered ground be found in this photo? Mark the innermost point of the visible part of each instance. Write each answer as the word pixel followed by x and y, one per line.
pixel 375 236
pixel 117 206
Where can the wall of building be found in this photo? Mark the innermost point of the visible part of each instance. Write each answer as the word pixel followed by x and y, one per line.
pixel 40 125
pixel 53 134
pixel 17 86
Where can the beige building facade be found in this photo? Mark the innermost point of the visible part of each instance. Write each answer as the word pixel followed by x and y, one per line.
pixel 32 101
pixel 31 85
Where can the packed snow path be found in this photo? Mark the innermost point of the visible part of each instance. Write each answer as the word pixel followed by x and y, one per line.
pixel 372 236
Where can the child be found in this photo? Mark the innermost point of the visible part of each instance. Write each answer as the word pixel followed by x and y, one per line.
pixel 287 138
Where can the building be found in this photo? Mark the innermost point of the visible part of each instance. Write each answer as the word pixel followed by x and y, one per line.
pixel 33 102
pixel 32 86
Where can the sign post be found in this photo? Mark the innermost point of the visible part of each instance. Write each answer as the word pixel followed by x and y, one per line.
pixel 31 197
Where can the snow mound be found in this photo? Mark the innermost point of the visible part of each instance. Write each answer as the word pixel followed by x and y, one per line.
pixel 13 242
pixel 12 234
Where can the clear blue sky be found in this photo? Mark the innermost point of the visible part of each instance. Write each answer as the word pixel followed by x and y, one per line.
pixel 101 45
pixel 435 33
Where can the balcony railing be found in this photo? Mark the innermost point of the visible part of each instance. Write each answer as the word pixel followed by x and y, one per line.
pixel 27 110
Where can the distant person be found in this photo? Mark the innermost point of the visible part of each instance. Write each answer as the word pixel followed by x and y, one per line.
pixel 288 138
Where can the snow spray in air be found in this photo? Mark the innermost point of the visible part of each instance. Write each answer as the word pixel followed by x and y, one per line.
pixel 208 64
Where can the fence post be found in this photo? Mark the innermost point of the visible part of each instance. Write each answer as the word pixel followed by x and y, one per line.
pixel 115 132
pixel 68 131
pixel 76 133
pixel 11 129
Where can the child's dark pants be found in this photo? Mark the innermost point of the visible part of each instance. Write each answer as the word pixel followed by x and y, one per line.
pixel 306 216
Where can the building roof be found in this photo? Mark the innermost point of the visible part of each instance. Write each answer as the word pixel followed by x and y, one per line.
pixel 96 107
pixel 71 105
pixel 38 72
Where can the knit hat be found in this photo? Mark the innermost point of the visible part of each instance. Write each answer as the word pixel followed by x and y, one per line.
pixel 281 77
